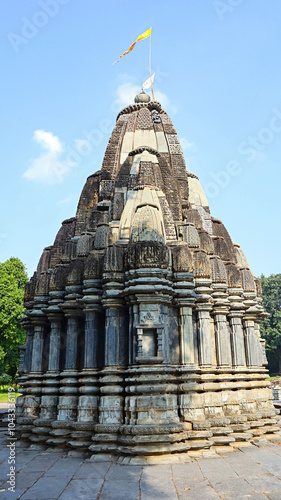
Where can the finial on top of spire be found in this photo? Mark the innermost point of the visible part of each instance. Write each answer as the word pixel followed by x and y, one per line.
pixel 142 97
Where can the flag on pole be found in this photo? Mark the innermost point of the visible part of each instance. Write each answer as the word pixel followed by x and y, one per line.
pixel 144 35
pixel 148 82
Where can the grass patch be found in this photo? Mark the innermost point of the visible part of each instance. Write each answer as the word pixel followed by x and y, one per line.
pixel 4 396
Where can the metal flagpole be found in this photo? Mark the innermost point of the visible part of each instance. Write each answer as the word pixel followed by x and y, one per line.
pixel 152 91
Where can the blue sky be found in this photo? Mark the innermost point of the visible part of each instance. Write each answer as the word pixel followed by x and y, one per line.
pixel 217 65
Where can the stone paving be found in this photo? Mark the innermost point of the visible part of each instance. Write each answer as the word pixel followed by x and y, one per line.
pixel 252 472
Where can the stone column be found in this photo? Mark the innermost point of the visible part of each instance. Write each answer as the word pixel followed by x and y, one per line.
pixel 37 348
pixel 68 400
pixel 252 339
pixel 204 336
pixel 203 308
pixel 252 342
pixel 26 366
pixel 222 331
pixel 88 401
pixel 50 391
pixel 50 381
pixel 222 341
pixel 91 339
pixel 29 347
pixel 55 338
pixel 186 331
pixel 112 399
pixel 185 298
pixel 71 351
pixel 112 332
pixel 34 395
pixel 237 340
pixel 237 334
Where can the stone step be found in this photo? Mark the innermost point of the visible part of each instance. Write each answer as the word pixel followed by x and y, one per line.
pixel 222 440
pixel 56 441
pixel 242 444
pixel 256 423
pixel 157 438
pixel 271 428
pixel 269 421
pixel 199 434
pixel 38 439
pixel 79 444
pixel 153 450
pixel 240 427
pixel 200 443
pixel 81 434
pixel 217 431
pixel 253 416
pixel 100 448
pixel 60 432
pixel 257 432
pixel 242 436
pixel 41 430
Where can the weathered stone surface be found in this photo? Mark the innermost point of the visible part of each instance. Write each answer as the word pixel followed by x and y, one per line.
pixel 143 317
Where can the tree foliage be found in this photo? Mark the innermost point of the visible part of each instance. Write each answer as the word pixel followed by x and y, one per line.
pixel 271 326
pixel 13 278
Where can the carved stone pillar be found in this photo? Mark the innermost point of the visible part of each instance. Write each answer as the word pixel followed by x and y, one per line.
pixel 203 308
pixel 39 321
pixel 222 330
pixel 50 389
pixel 37 349
pixel 252 342
pixel 23 416
pixel 88 401
pixel 29 348
pixel 185 298
pixel 252 338
pixel 112 398
pixel 237 340
pixel 68 400
pixel 237 334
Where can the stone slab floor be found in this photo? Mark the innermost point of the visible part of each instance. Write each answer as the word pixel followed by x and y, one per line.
pixel 248 473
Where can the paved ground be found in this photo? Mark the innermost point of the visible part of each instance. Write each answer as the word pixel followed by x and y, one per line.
pixel 248 473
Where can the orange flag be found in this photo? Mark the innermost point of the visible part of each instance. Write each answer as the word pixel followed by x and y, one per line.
pixel 144 35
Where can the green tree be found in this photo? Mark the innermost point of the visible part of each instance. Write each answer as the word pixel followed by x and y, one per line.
pixel 13 278
pixel 271 326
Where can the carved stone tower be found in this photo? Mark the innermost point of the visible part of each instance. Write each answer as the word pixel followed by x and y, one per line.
pixel 143 317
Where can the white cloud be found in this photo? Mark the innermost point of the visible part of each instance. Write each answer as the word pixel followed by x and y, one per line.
pixel 48 141
pixel 68 199
pixel 185 144
pixel 49 167
pixel 162 98
pixel 125 94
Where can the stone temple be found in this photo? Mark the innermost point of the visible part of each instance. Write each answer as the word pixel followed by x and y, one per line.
pixel 142 318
